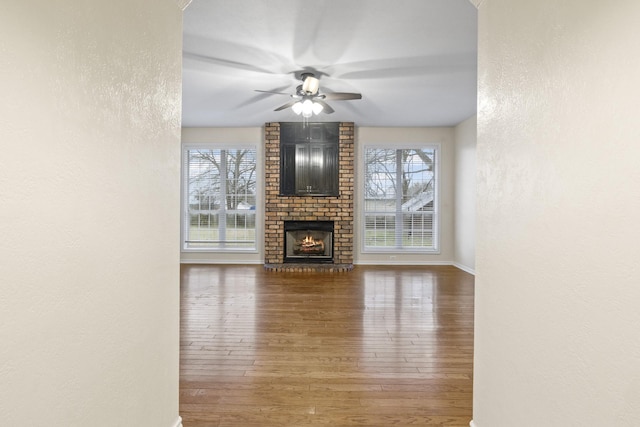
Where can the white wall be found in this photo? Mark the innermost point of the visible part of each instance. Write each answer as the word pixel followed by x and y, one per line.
pixel 464 241
pixel 231 136
pixel 89 194
pixel 557 278
pixel 371 136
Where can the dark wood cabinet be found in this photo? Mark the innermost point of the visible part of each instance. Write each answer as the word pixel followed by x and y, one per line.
pixel 309 159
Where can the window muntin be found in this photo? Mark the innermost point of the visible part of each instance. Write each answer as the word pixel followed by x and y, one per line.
pixel 400 199
pixel 220 199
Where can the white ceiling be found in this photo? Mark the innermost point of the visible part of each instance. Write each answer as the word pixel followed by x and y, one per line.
pixel 413 61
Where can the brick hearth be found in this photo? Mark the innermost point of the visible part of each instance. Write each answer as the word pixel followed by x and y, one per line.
pixel 279 209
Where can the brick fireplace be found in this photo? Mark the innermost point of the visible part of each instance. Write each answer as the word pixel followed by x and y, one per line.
pixel 338 209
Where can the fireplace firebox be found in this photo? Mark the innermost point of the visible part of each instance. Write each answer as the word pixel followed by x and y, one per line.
pixel 308 241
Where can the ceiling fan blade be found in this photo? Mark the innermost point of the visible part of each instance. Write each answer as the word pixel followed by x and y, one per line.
pixel 225 62
pixel 262 95
pixel 342 96
pixel 272 91
pixel 285 106
pixel 326 108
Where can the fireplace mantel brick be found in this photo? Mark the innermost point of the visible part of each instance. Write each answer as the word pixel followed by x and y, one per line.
pixel 279 209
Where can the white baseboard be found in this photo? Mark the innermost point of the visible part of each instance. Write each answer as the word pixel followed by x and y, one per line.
pixel 178 422
pixel 465 268
pixel 220 261
pixel 473 424
pixel 401 263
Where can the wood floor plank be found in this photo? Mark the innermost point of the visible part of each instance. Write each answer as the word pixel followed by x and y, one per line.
pixel 377 346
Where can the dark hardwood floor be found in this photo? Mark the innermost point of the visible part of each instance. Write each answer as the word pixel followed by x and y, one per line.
pixel 378 346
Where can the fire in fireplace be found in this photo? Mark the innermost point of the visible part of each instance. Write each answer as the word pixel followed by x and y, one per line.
pixel 308 241
pixel 308 246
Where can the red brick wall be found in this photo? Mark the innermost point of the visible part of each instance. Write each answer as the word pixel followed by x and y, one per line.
pixel 299 208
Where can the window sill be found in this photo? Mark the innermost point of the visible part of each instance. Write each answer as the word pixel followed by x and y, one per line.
pixel 221 251
pixel 401 251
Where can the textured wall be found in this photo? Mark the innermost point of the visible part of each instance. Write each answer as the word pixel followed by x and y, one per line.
pixel 89 217
pixel 557 278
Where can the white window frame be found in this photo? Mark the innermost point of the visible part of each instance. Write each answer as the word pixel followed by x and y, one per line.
pixel 184 185
pixel 435 249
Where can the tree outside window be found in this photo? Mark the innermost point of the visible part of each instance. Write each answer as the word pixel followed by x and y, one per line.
pixel 400 202
pixel 220 198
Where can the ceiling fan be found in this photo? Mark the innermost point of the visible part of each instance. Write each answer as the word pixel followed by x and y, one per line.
pixel 308 101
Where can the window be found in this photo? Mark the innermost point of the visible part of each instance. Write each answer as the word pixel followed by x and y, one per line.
pixel 400 199
pixel 220 199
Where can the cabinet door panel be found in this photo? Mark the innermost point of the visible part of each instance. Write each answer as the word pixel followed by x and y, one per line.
pixel 309 159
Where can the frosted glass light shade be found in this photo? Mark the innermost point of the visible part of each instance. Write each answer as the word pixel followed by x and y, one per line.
pixel 311 85
pixel 307 108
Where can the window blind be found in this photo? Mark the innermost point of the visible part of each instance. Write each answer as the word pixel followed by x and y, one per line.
pixel 400 199
pixel 220 199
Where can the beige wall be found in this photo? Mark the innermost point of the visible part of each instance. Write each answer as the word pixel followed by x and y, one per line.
pixel 372 136
pixel 557 278
pixel 465 195
pixel 89 195
pixel 233 137
pixel 364 136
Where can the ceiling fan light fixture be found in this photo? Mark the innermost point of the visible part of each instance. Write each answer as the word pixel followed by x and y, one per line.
pixel 310 85
pixel 307 108
pixel 307 101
